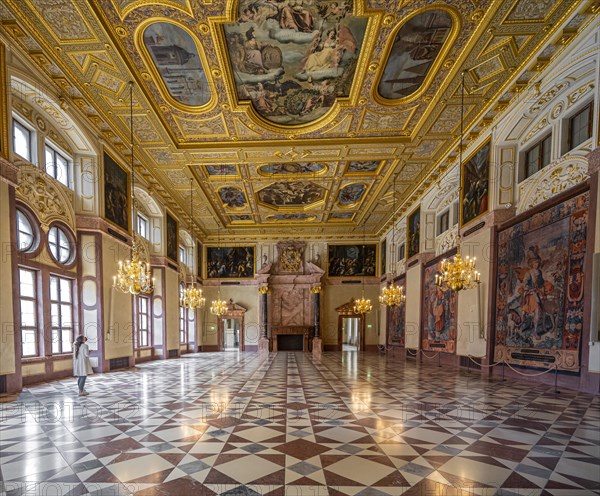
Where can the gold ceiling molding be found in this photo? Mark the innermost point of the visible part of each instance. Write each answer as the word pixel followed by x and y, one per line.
pixel 497 41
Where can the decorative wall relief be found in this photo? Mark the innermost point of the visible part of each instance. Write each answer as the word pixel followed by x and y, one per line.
pixel 539 287
pixel 290 256
pixel 47 199
pixel 439 312
pixel 560 175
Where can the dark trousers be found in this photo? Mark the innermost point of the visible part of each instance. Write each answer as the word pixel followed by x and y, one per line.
pixel 81 382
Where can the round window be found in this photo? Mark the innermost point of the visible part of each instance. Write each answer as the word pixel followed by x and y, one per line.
pixel 59 244
pixel 25 233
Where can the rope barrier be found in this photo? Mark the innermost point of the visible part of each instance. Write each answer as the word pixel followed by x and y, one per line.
pixel 530 375
pixel 408 351
pixel 481 364
pixel 430 358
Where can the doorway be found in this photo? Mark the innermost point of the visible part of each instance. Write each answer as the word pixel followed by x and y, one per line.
pixel 231 334
pixel 350 333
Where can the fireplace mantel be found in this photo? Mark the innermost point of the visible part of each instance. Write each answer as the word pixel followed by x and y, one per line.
pixel 304 330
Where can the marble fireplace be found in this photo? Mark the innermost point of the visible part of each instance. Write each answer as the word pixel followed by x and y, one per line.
pixel 290 309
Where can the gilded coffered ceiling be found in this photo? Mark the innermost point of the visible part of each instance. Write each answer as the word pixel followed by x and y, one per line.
pixel 291 116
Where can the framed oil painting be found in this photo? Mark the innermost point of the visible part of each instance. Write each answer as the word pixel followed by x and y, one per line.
pixel 352 260
pixel 116 193
pixel 199 259
pixel 236 262
pixel 172 241
pixel 396 320
pixel 439 310
pixel 539 287
pixel 413 233
pixel 383 251
pixel 475 184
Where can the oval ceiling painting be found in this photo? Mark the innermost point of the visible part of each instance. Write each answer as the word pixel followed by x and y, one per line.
pixel 291 194
pixel 176 58
pixel 416 47
pixel 293 58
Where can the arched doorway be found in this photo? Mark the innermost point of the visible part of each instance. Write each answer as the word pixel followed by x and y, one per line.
pixel 231 328
pixel 351 328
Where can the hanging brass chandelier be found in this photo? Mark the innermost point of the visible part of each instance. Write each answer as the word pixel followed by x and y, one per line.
pixel 393 295
pixel 363 305
pixel 191 296
pixel 134 275
pixel 459 273
pixel 218 307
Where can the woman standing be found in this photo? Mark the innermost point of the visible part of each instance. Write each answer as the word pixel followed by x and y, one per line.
pixel 81 363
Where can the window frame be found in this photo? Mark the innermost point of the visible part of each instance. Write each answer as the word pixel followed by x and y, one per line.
pixel 60 304
pixel 145 220
pixel 444 215
pixel 35 329
pixel 140 329
pixel 184 337
pixel 539 146
pixel 402 251
pixel 16 122
pixel 70 242
pixel 32 246
pixel 590 125
pixel 57 152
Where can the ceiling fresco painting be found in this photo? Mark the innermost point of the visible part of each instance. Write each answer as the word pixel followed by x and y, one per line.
pixel 233 197
pixel 291 169
pixel 416 47
pixel 342 215
pixel 352 194
pixel 291 217
pixel 221 170
pixel 292 59
pixel 291 116
pixel 240 218
pixel 292 194
pixel 368 166
pixel 178 62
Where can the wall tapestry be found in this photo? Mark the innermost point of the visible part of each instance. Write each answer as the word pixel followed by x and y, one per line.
pixel 172 241
pixel 352 260
pixel 439 311
pixel 539 287
pixel 396 320
pixel 413 232
pixel 230 262
pixel 116 193
pixel 475 175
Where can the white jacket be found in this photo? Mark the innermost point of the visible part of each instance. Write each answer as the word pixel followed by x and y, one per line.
pixel 81 364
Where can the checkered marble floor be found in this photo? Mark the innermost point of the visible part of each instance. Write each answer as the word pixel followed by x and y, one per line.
pixel 349 424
